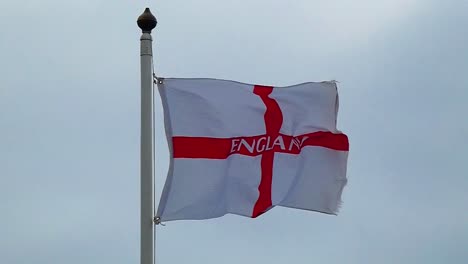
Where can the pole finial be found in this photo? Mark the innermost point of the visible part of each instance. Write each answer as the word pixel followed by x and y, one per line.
pixel 147 21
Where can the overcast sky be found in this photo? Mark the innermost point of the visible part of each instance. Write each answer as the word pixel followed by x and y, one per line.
pixel 69 127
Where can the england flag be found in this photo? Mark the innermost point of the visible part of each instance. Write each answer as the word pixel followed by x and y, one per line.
pixel 243 149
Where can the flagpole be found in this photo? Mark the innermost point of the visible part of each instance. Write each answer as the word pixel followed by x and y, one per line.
pixel 146 22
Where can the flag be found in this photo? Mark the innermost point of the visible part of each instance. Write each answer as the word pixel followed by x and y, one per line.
pixel 243 149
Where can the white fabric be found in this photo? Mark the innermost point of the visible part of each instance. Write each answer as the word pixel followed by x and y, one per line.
pixel 202 188
pixel 211 108
pixel 313 180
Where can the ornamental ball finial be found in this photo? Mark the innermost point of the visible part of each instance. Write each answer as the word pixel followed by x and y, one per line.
pixel 147 21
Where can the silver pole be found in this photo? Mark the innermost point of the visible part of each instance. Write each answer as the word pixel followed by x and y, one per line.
pixel 146 22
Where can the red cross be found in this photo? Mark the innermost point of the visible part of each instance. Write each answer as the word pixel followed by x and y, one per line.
pixel 265 145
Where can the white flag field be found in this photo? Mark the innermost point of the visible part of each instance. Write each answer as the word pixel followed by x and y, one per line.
pixel 243 149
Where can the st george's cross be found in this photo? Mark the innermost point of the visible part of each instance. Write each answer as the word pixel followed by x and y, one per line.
pixel 243 149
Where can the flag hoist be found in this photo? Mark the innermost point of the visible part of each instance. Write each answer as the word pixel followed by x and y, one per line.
pixel 146 22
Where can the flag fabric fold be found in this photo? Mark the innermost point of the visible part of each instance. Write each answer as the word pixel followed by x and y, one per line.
pixel 243 149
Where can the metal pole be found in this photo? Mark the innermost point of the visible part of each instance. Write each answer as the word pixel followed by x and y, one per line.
pixel 146 22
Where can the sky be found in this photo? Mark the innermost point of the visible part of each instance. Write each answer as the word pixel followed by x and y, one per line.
pixel 69 127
